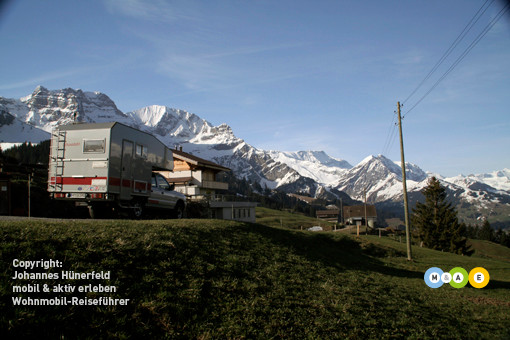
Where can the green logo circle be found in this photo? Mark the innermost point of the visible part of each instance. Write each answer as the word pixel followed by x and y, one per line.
pixel 460 277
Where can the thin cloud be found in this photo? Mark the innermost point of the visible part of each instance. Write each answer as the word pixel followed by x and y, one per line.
pixel 41 79
pixel 72 72
pixel 153 10
pixel 249 50
pixel 216 71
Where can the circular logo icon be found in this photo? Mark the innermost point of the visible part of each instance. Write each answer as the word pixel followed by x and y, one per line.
pixel 459 277
pixel 479 277
pixel 446 277
pixel 432 277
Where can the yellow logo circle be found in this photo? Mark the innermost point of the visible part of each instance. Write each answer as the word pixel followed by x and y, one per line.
pixel 479 277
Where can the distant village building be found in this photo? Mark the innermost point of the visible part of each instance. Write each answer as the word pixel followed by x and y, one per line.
pixel 355 215
pixel 330 215
pixel 195 177
pixel 239 211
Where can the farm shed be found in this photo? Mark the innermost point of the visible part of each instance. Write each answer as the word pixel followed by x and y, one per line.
pixel 330 215
pixel 355 214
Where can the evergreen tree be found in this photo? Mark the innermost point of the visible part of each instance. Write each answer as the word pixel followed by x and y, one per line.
pixel 486 232
pixel 505 239
pixel 498 235
pixel 437 222
pixel 472 231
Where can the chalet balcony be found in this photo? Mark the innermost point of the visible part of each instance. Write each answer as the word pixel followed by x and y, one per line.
pixel 214 185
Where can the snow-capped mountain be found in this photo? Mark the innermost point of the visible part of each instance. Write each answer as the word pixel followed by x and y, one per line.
pixel 46 109
pixel 14 131
pixel 381 178
pixel 31 118
pixel 316 165
pixel 217 143
pixel 497 179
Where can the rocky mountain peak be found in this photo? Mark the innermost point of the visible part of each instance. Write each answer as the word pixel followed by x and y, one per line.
pixel 50 108
pixel 182 126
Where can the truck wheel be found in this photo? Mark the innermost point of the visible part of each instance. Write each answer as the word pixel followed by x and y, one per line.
pixel 138 210
pixel 179 210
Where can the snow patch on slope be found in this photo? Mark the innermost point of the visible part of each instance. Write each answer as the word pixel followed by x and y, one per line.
pixel 15 132
pixel 313 164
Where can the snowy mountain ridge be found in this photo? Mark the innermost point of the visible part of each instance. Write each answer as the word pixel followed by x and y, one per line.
pixel 310 172
pixel 313 164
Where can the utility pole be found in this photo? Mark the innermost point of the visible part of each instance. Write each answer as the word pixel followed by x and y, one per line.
pixel 406 206
pixel 341 211
pixel 366 218
pixel 29 180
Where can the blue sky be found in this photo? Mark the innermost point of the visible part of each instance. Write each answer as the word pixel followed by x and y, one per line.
pixel 285 75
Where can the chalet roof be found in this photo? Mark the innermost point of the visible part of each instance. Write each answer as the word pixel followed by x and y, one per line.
pixel 197 160
pixel 353 211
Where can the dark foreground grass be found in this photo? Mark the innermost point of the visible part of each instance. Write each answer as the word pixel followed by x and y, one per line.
pixel 218 279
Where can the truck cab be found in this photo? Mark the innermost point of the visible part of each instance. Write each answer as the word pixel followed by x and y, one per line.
pixel 163 196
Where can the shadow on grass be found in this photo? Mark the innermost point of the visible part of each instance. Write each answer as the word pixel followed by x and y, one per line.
pixel 339 251
pixel 494 284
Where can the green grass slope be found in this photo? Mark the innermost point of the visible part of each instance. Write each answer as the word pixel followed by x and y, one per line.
pixel 218 279
pixel 489 249
pixel 278 218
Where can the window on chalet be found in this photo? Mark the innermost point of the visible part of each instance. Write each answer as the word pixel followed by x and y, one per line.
pixel 208 176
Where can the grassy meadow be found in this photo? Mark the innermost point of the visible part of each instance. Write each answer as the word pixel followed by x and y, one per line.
pixel 211 279
pixel 288 220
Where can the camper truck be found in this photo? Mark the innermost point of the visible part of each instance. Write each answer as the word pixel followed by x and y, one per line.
pixel 111 167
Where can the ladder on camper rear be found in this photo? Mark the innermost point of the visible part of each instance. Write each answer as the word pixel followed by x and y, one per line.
pixel 58 143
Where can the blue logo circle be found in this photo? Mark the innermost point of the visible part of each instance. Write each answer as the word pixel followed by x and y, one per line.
pixel 432 277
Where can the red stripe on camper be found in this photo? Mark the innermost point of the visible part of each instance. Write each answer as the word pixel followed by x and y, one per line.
pixel 74 180
pixel 126 183
pixel 141 186
pixel 114 181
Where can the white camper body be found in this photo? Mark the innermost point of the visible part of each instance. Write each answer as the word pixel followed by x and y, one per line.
pixel 107 165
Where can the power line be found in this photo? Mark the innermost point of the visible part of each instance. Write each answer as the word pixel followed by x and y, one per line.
pixel 393 137
pixel 463 55
pixel 389 135
pixel 450 49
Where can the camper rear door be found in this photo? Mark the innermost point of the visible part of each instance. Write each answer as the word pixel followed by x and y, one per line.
pixel 126 173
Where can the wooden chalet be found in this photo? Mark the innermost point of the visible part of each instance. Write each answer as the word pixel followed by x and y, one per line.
pixel 196 178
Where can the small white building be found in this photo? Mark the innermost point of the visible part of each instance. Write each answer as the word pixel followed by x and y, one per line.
pixel 238 211
pixel 355 215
